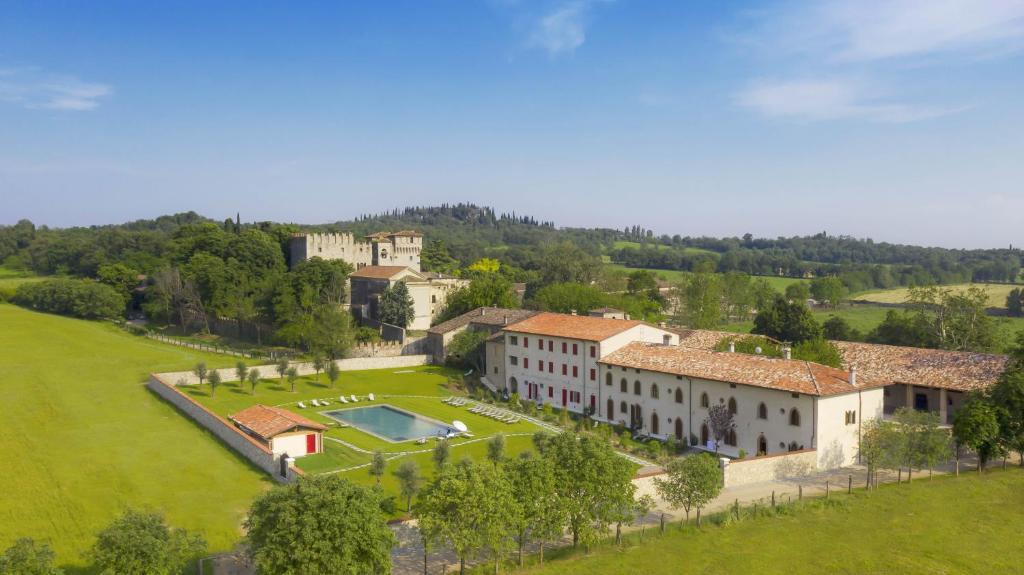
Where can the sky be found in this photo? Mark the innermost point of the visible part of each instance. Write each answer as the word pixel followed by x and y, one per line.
pixel 899 120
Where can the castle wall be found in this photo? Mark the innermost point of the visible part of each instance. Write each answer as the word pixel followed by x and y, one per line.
pixel 398 250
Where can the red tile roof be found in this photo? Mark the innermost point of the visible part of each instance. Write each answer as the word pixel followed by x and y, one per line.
pixel 583 327
pixel 794 376
pixel 378 272
pixel 956 370
pixel 489 316
pixel 267 421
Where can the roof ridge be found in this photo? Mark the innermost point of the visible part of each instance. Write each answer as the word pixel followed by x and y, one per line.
pixel 814 380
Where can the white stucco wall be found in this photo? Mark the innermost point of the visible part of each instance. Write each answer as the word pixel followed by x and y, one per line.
pixel 839 441
pixel 294 444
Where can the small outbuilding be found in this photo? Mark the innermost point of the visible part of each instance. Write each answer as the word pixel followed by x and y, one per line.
pixel 282 431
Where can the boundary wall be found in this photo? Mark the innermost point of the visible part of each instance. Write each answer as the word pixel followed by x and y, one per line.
pixel 304 368
pixel 775 467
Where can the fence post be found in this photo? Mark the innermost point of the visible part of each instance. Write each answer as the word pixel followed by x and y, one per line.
pixel 773 499
pixel 849 487
pixel 899 476
pixel 826 489
pixel 800 492
pixel 736 507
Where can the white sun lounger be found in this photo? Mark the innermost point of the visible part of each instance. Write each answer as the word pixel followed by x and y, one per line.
pixel 302 405
pixel 370 397
pixel 315 403
pixel 354 400
pixel 343 400
pixel 324 402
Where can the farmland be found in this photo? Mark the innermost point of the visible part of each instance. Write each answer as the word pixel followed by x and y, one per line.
pixel 996 293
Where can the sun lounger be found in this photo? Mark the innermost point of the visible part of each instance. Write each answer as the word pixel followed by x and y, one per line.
pixel 370 397
pixel 302 405
pixel 354 400
pixel 315 403
pixel 467 434
pixel 324 402
pixel 421 441
pixel 342 399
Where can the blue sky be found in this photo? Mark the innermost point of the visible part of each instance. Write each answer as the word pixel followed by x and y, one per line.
pixel 900 120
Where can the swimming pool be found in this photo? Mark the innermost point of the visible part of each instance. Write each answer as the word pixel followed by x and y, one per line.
pixel 389 423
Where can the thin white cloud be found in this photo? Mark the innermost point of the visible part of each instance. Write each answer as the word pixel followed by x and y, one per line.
pixel 812 100
pixel 34 89
pixel 562 29
pixel 843 48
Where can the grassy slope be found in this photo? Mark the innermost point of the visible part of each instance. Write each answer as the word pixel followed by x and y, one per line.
pixel 81 438
pixel 996 293
pixel 949 525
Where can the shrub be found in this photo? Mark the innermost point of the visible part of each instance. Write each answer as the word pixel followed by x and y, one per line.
pixel 86 299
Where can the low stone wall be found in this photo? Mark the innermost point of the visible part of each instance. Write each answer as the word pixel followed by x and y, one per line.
pixel 304 368
pixel 245 445
pixel 412 346
pixel 770 467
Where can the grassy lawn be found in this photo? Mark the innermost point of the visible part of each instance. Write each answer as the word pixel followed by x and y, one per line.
pixel 948 525
pixel 82 439
pixel 996 293
pixel 419 390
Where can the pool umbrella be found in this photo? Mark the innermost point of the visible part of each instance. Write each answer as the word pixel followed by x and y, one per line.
pixel 459 425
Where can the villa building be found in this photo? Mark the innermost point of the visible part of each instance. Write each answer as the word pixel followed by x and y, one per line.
pixel 429 292
pixel 281 431
pixel 553 358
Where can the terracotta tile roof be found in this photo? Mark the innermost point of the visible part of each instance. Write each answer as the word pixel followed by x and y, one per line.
pixel 707 339
pixel 956 370
pixel 794 376
pixel 378 272
pixel 491 316
pixel 606 310
pixel 267 421
pixel 583 327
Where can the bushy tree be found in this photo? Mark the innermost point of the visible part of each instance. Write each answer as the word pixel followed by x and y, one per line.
pixel 142 542
pixel 828 289
pixel 835 327
pixel 485 290
pixel 818 350
pixel 29 557
pixel 690 483
pixel 699 300
pixel 321 524
pixel 1015 302
pixel 496 449
pixel 85 299
pixel 543 515
pixel 787 321
pixel 442 452
pixel 1008 393
pixel 281 367
pixel 798 292
pixel 467 349
pixel 241 372
pixel 976 426
pixel 568 297
pixel 254 379
pixel 396 305
pixel 292 373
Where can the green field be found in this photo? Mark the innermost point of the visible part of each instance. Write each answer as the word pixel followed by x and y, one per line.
pixel 390 386
pixel 779 283
pixel 996 293
pixel 621 244
pixel 13 278
pixel 947 525
pixel 82 439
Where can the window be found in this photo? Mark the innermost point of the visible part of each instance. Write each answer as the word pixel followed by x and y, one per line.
pixel 762 411
pixel 794 417
pixel 576 372
pixel 513 360
pixel 732 405
pixel 433 298
pixel 623 408
pixel 607 378
pixel 679 395
pixel 593 373
pixel 551 367
pixel 526 341
pixel 850 417
pixel 551 391
pixel 795 395
pixel 540 366
pixel 793 446
pixel 526 363
pixel 623 385
pixel 730 438
pixel 565 347
pixel 593 351
pixel 666 339
pixel 575 349
pixel 495 369
pixel 540 344
pixel 514 340
pixel 565 369
pixel 654 391
pixel 703 400
pixel 551 345
pixel 636 387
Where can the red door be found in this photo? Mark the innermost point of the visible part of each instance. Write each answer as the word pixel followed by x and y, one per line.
pixel 565 393
pixel 593 404
pixel 311 443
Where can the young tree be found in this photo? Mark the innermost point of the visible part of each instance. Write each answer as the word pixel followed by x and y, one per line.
pixel 214 379
pixel 441 454
pixel 642 507
pixel 293 375
pixel 28 557
pixel 320 524
pixel 333 372
pixel 254 379
pixel 241 372
pixel 496 449
pixel 200 371
pixel 377 466
pixel 142 542
pixel 319 363
pixel 720 422
pixel 879 447
pixel 409 481
pixel 396 305
pixel 282 368
pixel 542 516
pixel 1008 393
pixel 690 483
pixel 977 426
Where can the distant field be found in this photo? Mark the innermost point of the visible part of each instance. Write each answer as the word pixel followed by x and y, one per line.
pixel 779 283
pixel 81 438
pixel 966 524
pixel 14 278
pixel 620 244
pixel 996 293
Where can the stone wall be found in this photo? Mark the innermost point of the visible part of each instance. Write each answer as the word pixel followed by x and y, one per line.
pixel 223 429
pixel 770 467
pixel 304 368
pixel 412 346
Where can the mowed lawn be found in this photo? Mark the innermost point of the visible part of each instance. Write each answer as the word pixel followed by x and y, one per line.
pixel 996 293
pixel 81 438
pixel 944 526
pixel 419 390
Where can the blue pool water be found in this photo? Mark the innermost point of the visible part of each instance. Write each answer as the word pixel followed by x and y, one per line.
pixel 388 423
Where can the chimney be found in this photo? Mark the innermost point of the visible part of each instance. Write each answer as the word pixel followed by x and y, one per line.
pixel 483 311
pixel 505 320
pixel 572 312
pixel 732 347
pixel 787 352
pixel 853 375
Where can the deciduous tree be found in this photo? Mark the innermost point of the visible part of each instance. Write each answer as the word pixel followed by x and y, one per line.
pixel 409 481
pixel 690 483
pixel 142 542
pixel 29 557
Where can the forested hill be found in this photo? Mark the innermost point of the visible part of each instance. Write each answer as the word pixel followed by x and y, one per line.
pixel 469 232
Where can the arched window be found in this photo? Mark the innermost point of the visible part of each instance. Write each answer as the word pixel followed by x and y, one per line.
pixel 654 391
pixel 762 445
pixel 654 423
pixel 679 428
pixel 636 387
pixel 623 408
pixel 703 435
pixel 762 411
pixel 513 385
pixel 732 405
pixel 608 378
pixel 794 417
pixel 793 446
pixel 703 400
pixel 730 438
pixel 679 395
pixel 624 385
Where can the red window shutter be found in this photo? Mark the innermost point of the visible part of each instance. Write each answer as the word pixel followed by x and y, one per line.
pixel 526 363
pixel 564 369
pixel 551 391
pixel 575 371
pixel 593 374
pixel 593 351
pixel 551 345
pixel 575 349
pixel 540 366
pixel 526 342
pixel 565 347
pixel 551 367
pixel 540 344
